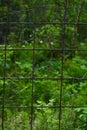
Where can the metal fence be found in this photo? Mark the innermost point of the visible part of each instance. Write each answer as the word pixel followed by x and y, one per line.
pixel 7 23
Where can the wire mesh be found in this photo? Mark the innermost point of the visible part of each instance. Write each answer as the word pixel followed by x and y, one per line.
pixel 15 25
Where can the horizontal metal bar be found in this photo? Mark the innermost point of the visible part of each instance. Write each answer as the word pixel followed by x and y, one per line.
pixel 43 23
pixel 41 78
pixel 40 49
pixel 37 107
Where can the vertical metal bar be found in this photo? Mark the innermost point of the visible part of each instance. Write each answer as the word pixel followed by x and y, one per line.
pixel 4 71
pixel 2 125
pixel 62 61
pixel 32 91
pixel 3 90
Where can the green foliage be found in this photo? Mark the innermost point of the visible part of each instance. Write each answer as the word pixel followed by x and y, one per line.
pixel 46 93
pixel 48 36
pixel 19 120
pixel 47 64
pixel 46 116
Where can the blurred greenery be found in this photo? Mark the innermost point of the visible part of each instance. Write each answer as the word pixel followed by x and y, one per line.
pixel 44 62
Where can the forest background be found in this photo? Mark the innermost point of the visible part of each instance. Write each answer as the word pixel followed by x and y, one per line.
pixel 43 49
